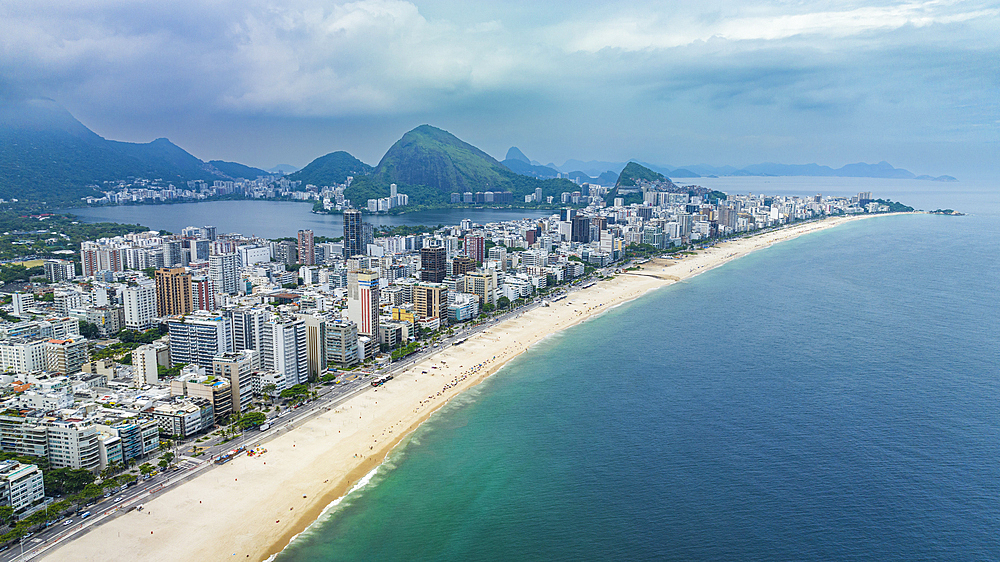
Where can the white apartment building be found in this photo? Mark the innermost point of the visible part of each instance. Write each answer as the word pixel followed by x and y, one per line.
pixel 22 302
pixel 196 339
pixel 140 306
pixel 21 485
pixel 224 271
pixel 22 355
pixel 144 366
pixel 283 349
pixel 73 445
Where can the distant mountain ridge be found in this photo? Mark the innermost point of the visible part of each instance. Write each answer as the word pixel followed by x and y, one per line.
pixel 46 154
pixel 859 170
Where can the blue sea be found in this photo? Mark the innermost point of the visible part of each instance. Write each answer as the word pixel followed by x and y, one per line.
pixel 834 397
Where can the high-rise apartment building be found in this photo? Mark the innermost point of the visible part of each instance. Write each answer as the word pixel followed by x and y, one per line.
pixel 307 251
pixel 462 265
pixel 140 306
pixel 430 300
pixel 66 356
pixel 172 255
pixel 198 338
pixel 342 342
pixel 97 256
pixel 237 368
pixel 475 248
pixel 433 264
pixel 144 366
pixel 173 291
pixel 354 243
pixel 203 293
pixel 22 355
pixel 223 270
pixel 483 285
pixel 581 229
pixel 59 270
pixel 22 302
pixel 248 325
pixel 363 301
pixel 315 343
pixel 284 350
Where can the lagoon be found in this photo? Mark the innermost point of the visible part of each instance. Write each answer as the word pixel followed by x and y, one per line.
pixel 277 219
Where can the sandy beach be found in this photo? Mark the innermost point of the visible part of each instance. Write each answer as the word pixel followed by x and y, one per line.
pixel 250 508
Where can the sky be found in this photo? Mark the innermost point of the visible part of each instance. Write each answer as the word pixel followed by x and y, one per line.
pixel 670 83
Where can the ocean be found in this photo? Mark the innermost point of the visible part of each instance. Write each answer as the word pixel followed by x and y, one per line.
pixel 833 397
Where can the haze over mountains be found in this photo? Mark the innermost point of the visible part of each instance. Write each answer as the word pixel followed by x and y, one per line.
pixel 48 155
pixel 516 160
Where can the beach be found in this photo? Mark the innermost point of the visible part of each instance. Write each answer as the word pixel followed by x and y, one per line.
pixel 252 507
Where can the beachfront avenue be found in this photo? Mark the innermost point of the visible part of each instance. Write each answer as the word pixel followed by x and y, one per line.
pixel 176 358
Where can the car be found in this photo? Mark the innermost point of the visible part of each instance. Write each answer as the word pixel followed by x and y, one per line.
pixel 107 495
pixel 85 515
pixel 28 535
pixel 67 522
pixel 119 498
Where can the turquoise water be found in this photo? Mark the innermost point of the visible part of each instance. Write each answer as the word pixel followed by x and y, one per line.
pixel 832 397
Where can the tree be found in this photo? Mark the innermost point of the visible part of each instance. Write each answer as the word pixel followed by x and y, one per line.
pixel 145 469
pixel 127 478
pixel 268 391
pixel 163 464
pixel 89 331
pixel 487 308
pixel 296 390
pixel 169 457
pixel 503 302
pixel 251 419
pixel 66 480
pixel 6 514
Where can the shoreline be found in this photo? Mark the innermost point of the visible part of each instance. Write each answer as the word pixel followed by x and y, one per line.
pixel 216 515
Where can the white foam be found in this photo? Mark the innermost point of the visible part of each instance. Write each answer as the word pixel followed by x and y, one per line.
pixel 360 484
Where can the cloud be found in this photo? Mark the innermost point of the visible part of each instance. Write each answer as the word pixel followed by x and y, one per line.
pixel 643 28
pixel 642 72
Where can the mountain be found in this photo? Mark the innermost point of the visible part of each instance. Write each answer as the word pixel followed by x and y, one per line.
pixel 515 153
pixel 683 173
pixel 607 178
pixel 235 170
pixel 634 172
pixel 881 170
pixel 525 169
pixel 46 154
pixel 429 164
pixel 332 169
pixel 283 169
